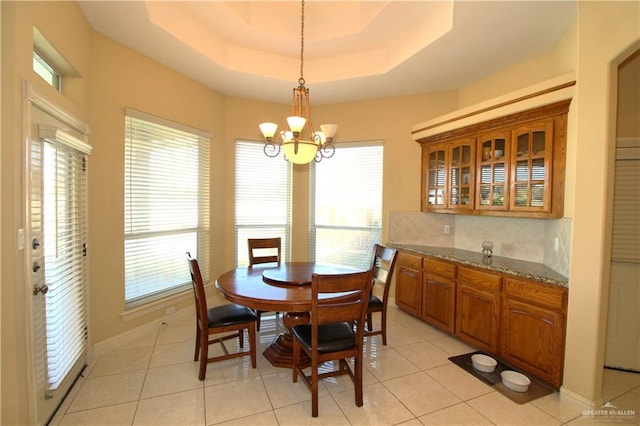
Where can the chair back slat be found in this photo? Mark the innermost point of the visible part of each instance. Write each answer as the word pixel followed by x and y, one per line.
pixel 345 312
pixel 264 250
pixel 380 274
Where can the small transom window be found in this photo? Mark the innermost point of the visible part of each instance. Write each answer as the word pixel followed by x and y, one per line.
pixel 46 71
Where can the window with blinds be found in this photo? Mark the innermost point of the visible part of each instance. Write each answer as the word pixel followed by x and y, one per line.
pixel 346 205
pixel 263 198
pixel 166 206
pixel 626 211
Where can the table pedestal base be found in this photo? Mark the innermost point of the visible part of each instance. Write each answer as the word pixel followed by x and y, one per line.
pixel 280 352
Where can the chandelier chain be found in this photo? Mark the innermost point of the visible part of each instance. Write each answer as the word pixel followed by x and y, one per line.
pixel 301 79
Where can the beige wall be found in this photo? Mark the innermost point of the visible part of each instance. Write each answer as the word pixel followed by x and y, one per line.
pixel 600 51
pixel 66 27
pixel 116 77
pixel 123 78
pixel 559 61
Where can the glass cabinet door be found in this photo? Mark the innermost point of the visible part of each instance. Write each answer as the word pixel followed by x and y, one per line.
pixel 531 167
pixel 461 174
pixel 436 176
pixel 492 184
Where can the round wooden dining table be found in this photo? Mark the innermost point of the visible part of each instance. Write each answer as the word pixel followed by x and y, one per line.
pixel 285 288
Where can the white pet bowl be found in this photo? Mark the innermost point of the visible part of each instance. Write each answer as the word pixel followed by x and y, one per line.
pixel 483 363
pixel 515 381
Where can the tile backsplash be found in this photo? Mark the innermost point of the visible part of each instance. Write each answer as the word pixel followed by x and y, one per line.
pixel 532 240
pixel 420 228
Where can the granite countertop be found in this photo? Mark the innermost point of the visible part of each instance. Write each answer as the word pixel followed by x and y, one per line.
pixel 516 268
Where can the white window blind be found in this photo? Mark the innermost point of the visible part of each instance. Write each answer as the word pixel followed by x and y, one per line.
pixel 346 205
pixel 263 198
pixel 166 206
pixel 58 213
pixel 626 211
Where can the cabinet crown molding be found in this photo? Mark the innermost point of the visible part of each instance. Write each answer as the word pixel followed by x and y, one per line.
pixel 557 108
pixel 546 93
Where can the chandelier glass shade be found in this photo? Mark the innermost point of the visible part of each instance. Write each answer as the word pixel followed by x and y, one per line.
pixel 301 143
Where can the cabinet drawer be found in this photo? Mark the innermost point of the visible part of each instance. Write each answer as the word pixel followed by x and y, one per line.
pixel 541 294
pixel 410 260
pixel 444 269
pixel 475 278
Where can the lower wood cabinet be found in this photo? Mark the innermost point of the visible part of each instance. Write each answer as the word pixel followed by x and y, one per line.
pixel 520 321
pixel 478 308
pixel 532 333
pixel 409 283
pixel 439 294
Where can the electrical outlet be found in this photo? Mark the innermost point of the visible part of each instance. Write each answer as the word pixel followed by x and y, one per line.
pixel 447 229
pixel 556 244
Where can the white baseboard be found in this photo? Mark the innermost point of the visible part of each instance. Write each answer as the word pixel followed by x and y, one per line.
pixel 116 342
pixel 134 334
pixel 576 400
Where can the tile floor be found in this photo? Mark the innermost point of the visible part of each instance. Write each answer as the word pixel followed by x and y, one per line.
pixel 153 381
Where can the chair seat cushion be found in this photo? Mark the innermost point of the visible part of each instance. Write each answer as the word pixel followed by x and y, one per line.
pixel 229 314
pixel 331 337
pixel 374 302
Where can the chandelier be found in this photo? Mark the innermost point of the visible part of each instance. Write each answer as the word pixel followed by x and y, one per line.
pixel 300 144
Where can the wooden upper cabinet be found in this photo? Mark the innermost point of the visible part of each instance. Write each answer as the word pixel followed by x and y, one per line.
pixel 510 166
pixel 449 173
pixel 531 167
pixel 460 194
pixel 434 179
pixel 492 184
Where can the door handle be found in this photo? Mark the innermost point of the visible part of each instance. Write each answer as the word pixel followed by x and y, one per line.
pixel 40 289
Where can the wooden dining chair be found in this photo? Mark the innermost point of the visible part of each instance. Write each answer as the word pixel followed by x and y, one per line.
pixel 218 320
pixel 331 335
pixel 263 251
pixel 382 266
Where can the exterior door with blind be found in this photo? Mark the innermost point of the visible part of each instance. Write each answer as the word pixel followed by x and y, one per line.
pixel 56 256
pixel 623 325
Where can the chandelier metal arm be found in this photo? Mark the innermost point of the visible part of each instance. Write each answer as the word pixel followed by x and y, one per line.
pixel 271 149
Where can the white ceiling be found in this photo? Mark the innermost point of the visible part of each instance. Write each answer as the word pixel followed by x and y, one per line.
pixel 352 50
